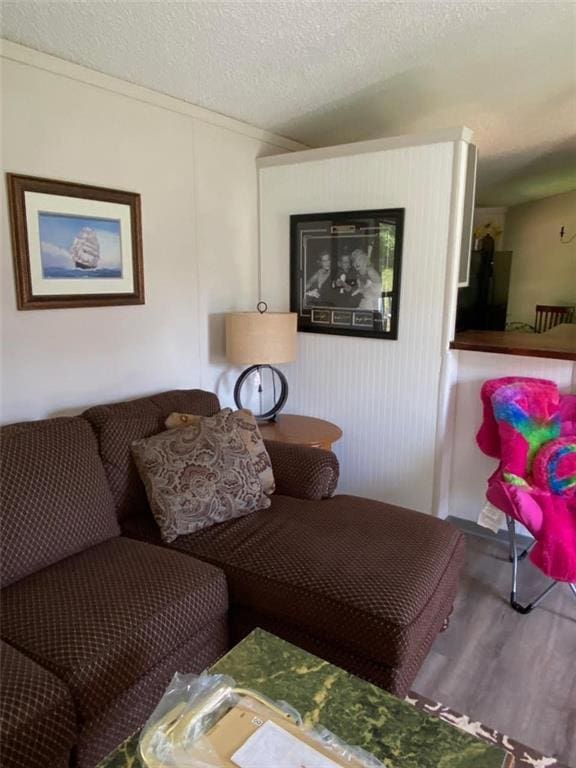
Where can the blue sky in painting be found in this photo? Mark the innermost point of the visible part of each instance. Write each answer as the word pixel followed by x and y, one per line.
pixel 57 233
pixel 61 230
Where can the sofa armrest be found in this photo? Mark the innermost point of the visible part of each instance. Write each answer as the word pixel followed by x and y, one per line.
pixel 303 472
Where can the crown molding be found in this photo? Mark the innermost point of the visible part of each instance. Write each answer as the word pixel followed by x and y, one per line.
pixel 32 58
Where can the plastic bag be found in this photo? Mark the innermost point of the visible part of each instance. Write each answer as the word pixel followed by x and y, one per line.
pixel 207 722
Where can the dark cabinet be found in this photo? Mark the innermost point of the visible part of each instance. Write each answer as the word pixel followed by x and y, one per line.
pixel 483 303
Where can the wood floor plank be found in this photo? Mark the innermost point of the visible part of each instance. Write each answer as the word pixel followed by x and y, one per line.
pixel 515 673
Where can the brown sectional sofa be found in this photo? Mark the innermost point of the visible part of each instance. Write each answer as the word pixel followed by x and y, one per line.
pixel 108 618
pixel 105 619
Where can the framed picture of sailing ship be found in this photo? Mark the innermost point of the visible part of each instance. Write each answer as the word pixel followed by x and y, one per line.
pixel 345 272
pixel 74 245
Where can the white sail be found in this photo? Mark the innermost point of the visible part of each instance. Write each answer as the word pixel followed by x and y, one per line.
pixel 85 249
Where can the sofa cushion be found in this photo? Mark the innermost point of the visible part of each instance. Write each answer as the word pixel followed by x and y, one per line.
pixel 54 499
pixel 102 619
pixel 350 571
pixel 118 425
pixel 198 476
pixel 37 718
pixel 101 735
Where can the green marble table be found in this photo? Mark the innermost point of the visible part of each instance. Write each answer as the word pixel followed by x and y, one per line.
pixel 397 732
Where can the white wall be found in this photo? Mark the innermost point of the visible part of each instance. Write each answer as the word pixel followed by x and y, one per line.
pixel 197 177
pixel 470 467
pixel 384 394
pixel 543 268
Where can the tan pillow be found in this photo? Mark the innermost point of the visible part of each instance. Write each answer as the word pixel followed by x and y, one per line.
pixel 198 476
pixel 246 423
pixel 183 420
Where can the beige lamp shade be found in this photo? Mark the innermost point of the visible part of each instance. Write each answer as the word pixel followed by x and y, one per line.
pixel 267 338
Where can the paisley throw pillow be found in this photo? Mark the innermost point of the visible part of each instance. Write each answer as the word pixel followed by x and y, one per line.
pixel 247 425
pixel 198 476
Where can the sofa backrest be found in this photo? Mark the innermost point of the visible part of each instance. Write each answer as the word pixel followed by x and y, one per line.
pixel 118 425
pixel 54 497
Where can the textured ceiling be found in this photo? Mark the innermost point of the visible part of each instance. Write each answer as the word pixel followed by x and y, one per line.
pixel 332 72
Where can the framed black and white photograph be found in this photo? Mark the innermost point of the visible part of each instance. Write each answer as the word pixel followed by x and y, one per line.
pixel 345 272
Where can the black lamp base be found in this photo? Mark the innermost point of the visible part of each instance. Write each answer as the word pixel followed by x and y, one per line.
pixel 279 400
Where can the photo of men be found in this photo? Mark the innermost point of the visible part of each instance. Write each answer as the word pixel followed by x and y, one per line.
pixel 345 276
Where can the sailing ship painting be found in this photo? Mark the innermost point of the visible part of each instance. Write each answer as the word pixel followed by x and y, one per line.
pixel 79 247
pixel 85 249
pixel 74 245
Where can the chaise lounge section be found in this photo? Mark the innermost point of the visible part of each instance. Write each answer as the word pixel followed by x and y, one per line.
pixel 363 584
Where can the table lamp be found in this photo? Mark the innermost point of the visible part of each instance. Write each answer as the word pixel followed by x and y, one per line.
pixel 260 340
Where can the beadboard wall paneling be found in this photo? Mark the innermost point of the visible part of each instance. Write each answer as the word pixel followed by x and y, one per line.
pixel 470 467
pixel 384 394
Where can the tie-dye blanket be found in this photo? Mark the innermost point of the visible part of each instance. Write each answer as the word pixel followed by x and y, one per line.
pixel 531 429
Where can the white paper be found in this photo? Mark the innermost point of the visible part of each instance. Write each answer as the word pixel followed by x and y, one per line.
pixel 491 517
pixel 271 746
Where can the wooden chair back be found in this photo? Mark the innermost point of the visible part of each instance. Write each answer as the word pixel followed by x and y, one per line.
pixel 549 315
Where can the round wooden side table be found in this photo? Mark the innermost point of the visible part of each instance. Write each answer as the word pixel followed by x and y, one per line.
pixel 301 430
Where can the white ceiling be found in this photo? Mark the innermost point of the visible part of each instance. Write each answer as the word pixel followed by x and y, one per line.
pixel 331 72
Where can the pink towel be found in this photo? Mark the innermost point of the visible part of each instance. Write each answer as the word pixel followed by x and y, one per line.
pixel 532 430
pixel 554 468
pixel 488 437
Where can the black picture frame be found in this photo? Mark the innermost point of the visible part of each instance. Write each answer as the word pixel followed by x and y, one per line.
pixel 345 272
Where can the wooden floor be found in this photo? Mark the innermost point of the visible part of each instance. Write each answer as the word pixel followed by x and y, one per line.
pixel 512 672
